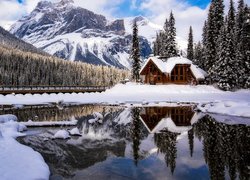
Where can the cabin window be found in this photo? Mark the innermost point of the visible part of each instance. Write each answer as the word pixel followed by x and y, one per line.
pixel 178 73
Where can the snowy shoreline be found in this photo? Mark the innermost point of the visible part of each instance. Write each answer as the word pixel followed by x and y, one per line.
pixel 208 98
pixel 17 160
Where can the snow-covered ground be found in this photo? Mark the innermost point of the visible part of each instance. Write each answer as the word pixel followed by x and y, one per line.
pixel 16 160
pixel 208 98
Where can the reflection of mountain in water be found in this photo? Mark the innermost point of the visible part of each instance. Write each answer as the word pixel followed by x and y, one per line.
pixel 224 149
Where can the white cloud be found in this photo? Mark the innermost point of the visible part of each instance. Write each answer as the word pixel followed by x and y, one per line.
pixel 156 10
pixel 185 15
pixel 133 4
pixel 9 12
pixel 104 7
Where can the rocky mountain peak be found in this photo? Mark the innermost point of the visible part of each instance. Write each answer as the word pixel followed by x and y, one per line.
pixel 141 20
pixel 63 2
pixel 43 4
pixel 70 32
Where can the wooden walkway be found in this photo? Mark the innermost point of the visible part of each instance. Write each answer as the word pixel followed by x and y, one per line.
pixel 4 90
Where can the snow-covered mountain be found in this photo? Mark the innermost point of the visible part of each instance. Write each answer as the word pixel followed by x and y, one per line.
pixel 9 40
pixel 75 33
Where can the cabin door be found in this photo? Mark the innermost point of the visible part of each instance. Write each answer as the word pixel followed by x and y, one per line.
pixel 152 79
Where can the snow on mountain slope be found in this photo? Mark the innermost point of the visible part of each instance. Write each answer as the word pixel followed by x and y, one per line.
pixel 75 33
pixel 146 28
pixel 149 29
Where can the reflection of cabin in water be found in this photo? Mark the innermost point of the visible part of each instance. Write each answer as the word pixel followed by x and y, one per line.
pixel 156 118
pixel 177 70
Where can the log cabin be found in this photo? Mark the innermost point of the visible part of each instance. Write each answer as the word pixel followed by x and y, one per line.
pixel 175 70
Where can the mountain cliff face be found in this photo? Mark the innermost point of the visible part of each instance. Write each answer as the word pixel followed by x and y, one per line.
pixel 75 33
pixel 9 40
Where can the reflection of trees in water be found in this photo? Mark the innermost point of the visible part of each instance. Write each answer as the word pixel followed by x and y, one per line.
pixel 191 141
pixel 136 133
pixel 226 147
pixel 166 143
pixel 53 113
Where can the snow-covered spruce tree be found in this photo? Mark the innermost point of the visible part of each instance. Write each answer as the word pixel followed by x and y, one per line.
pixel 244 46
pixel 157 44
pixel 164 36
pixel 227 64
pixel 239 19
pixel 135 54
pixel 171 49
pixel 242 39
pixel 204 43
pixel 231 18
pixel 214 23
pixel 198 53
pixel 190 48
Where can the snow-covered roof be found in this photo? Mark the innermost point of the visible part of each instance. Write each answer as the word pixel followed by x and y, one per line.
pixel 168 65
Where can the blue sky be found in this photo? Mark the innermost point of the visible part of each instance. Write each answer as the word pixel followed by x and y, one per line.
pixel 125 9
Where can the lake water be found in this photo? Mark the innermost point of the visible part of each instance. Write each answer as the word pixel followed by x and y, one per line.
pixel 172 142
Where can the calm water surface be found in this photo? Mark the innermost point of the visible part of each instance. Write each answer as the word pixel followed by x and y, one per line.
pixel 141 143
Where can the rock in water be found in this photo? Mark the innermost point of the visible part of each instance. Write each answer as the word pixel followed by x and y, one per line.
pixel 61 134
pixel 75 132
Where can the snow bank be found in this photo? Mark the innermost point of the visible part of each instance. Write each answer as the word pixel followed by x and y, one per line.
pixel 231 108
pixel 31 123
pixel 21 162
pixel 132 93
pixel 16 160
pixel 12 129
pixel 7 117
pixel 230 120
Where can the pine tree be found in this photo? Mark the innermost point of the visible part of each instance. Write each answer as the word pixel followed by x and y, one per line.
pixel 214 23
pixel 190 49
pixel 231 18
pixel 135 54
pixel 168 45
pixel 204 45
pixel 239 40
pixel 198 53
pixel 239 19
pixel 171 49
pixel 157 44
pixel 244 45
pixel 227 65
pixel 164 36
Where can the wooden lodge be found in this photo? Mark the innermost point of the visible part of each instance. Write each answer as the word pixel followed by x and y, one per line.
pixel 176 70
